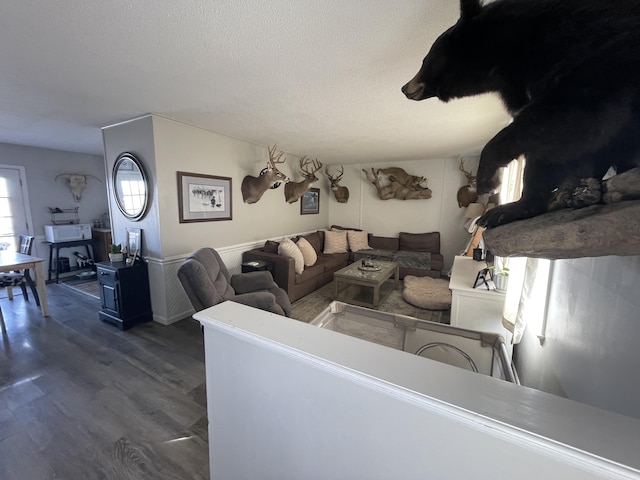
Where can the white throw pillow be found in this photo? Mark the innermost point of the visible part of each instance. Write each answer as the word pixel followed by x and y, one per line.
pixel 308 252
pixel 289 249
pixel 335 242
pixel 358 240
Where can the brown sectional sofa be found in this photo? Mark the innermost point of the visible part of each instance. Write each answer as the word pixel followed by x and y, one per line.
pixel 409 250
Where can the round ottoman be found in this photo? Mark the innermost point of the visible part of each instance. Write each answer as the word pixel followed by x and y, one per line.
pixel 426 292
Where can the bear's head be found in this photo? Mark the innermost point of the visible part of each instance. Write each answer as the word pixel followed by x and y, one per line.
pixel 461 61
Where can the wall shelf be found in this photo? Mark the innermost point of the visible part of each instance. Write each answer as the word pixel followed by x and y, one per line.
pixel 64 216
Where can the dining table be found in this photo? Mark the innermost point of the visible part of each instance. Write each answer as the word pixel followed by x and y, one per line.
pixel 11 261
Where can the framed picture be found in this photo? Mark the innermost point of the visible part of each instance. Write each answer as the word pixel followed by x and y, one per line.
pixel 203 198
pixel 310 202
pixel 134 242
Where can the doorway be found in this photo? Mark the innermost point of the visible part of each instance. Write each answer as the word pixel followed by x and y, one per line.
pixel 15 210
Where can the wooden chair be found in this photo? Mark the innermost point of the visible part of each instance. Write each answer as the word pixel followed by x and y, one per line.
pixel 21 278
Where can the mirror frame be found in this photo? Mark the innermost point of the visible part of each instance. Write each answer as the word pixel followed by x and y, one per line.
pixel 121 161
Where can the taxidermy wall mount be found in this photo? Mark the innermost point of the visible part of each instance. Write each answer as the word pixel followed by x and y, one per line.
pixel 339 192
pixel 568 71
pixel 254 187
pixel 394 182
pixel 77 182
pixel 292 190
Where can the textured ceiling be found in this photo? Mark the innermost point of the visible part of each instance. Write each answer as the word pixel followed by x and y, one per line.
pixel 320 78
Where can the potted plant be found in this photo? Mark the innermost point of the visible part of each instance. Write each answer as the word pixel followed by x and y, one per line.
pixel 115 253
pixel 501 279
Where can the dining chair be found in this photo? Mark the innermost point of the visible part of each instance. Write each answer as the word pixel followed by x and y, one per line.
pixel 21 278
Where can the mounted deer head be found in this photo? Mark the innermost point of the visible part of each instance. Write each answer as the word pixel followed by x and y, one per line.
pixel 467 194
pixel 341 193
pixel 253 187
pixel 76 182
pixel 293 191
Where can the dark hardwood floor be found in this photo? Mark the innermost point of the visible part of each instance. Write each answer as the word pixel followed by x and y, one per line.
pixel 80 399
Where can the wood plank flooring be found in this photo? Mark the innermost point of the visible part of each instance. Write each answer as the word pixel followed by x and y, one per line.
pixel 80 399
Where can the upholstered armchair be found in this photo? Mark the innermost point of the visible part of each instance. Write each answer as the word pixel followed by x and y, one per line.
pixel 207 282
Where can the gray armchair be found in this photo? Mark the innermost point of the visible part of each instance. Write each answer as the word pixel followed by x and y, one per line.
pixel 207 282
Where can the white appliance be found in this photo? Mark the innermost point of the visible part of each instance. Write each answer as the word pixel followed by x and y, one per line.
pixel 67 233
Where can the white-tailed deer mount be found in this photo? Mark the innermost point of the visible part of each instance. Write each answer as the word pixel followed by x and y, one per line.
pixel 393 185
pixel 341 193
pixel 253 187
pixel 467 194
pixel 293 191
pixel 76 182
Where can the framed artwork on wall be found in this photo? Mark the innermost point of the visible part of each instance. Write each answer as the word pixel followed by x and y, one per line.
pixel 310 202
pixel 203 198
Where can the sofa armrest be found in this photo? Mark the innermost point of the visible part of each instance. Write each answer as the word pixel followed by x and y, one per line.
pixel 252 281
pixel 283 267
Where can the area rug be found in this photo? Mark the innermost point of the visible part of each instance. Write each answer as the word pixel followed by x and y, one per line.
pixel 90 287
pixel 309 307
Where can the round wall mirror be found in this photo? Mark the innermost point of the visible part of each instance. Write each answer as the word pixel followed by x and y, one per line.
pixel 130 186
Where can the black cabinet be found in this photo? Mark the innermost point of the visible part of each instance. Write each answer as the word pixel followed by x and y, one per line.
pixel 124 293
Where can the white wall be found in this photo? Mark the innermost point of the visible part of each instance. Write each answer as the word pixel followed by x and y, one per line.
pixel 387 218
pixel 590 352
pixel 41 167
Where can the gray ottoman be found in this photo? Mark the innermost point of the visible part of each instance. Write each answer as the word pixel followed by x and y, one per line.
pixel 426 292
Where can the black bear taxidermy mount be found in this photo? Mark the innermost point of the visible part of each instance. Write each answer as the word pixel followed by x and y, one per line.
pixel 568 71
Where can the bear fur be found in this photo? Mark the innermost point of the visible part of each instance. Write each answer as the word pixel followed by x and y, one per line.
pixel 568 71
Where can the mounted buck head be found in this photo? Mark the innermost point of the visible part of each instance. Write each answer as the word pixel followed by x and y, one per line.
pixel 293 191
pixel 468 193
pixel 77 183
pixel 253 187
pixel 341 193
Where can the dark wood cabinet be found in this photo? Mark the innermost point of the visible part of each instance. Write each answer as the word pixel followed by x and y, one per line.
pixel 124 293
pixel 101 240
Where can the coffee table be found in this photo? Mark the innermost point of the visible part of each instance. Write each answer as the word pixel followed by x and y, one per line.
pixel 365 287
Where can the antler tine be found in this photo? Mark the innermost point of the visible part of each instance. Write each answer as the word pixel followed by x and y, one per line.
pixel 341 172
pixel 273 158
pixel 326 171
pixel 316 165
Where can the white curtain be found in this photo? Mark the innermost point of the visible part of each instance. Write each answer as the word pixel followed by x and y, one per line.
pixel 526 297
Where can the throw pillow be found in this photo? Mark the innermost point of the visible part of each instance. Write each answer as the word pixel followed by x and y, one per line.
pixel 358 240
pixel 308 252
pixel 289 249
pixel 335 242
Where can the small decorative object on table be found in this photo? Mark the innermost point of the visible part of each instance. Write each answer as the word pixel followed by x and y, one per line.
pixel 115 253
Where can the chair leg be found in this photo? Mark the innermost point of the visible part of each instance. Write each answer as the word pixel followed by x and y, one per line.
pixel 23 287
pixel 10 293
pixel 2 325
pixel 32 285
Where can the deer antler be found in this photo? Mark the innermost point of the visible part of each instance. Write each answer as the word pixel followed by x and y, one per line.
pixel 331 178
pixel 305 162
pixel 470 177
pixel 273 158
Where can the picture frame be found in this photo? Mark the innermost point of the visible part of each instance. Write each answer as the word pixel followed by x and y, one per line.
pixel 310 202
pixel 204 198
pixel 134 243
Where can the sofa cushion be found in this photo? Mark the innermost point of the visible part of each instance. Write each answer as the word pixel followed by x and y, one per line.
pixel 308 252
pixel 309 272
pixel 358 240
pixel 271 247
pixel 335 242
pixel 289 249
pixel 334 261
pixel 374 254
pixel 383 243
pixel 420 242
pixel 338 227
pixel 316 239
